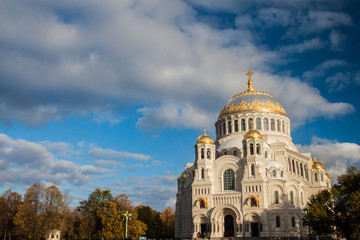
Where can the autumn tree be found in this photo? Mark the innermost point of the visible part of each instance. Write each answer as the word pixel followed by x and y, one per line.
pixel 8 209
pixel 168 220
pixel 91 208
pixel 147 215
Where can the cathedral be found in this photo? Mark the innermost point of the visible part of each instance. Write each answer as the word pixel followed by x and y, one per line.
pixel 252 181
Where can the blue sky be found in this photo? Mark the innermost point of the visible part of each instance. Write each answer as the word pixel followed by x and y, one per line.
pixel 113 94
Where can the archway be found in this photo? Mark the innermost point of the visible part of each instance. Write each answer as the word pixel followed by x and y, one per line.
pixel 229 226
pixel 253 221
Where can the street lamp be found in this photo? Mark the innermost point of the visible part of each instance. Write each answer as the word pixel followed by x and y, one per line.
pixel 127 216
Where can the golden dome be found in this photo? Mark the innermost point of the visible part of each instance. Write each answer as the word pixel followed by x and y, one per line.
pixel 327 175
pixel 251 101
pixel 182 175
pixel 205 139
pixel 316 165
pixel 254 134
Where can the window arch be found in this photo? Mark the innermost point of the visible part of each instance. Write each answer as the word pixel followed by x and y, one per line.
pixel 266 154
pixel 202 173
pixel 258 124
pixel 293 222
pixel 321 176
pixel 316 177
pixel 202 154
pixel 202 204
pixel 235 153
pixel 272 125
pixel 251 147
pixel 252 170
pixel 224 128
pixel 282 173
pixel 274 173
pixel 266 124
pixel 253 202
pixel 277 221
pixel 276 197
pixel 250 122
pixel 236 123
pixel 301 170
pixel 293 165
pixel 208 154
pixel 229 179
pixel 229 126
pixel 291 197
pixel 258 149
pixel 242 124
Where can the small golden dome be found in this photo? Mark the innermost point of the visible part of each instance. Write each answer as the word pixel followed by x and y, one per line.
pixel 255 134
pixel 182 175
pixel 205 139
pixel 316 165
pixel 327 175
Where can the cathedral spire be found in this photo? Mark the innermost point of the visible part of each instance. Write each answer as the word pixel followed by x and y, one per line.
pixel 249 73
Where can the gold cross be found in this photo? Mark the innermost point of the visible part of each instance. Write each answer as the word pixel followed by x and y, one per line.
pixel 249 73
pixel 204 130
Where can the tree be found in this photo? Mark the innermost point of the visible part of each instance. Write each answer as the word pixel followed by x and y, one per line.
pixel 28 216
pixel 337 210
pixel 147 215
pixel 168 220
pixel 320 213
pixel 52 204
pixel 12 201
pixel 347 203
pixel 91 207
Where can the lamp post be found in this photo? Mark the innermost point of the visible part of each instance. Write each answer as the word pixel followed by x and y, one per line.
pixel 127 216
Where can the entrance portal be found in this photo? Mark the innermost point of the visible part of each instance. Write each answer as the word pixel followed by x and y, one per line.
pixel 255 229
pixel 229 226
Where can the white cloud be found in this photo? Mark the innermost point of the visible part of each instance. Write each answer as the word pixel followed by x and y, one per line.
pixel 118 155
pixel 338 81
pixel 302 47
pixel 321 69
pixel 335 156
pixel 156 55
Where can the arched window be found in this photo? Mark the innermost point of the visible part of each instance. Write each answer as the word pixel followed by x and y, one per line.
pixel 253 202
pixel 322 176
pixel 251 146
pixel 266 124
pixel 316 177
pixel 202 204
pixel 282 174
pixel 258 149
pixel 236 125
pixel 243 125
pixel 229 127
pixel 208 153
pixel 252 170
pixel 266 154
pixel 225 153
pixel 258 124
pixel 272 125
pixel 274 173
pixel 202 173
pixel 235 153
pixel 278 125
pixel 289 164
pixel 301 170
pixel 276 197
pixel 277 221
pixel 291 197
pixel 202 153
pixel 306 171
pixel 224 128
pixel 229 179
pixel 293 222
pixel 293 166
pixel 250 123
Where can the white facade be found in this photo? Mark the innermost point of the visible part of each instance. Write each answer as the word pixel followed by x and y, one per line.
pixel 252 181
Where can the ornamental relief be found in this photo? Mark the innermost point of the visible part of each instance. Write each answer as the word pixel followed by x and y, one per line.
pixel 255 106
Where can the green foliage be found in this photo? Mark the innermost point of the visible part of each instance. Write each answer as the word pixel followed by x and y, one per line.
pixel 328 211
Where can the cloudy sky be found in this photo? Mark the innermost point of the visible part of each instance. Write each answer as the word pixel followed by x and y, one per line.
pixel 114 93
